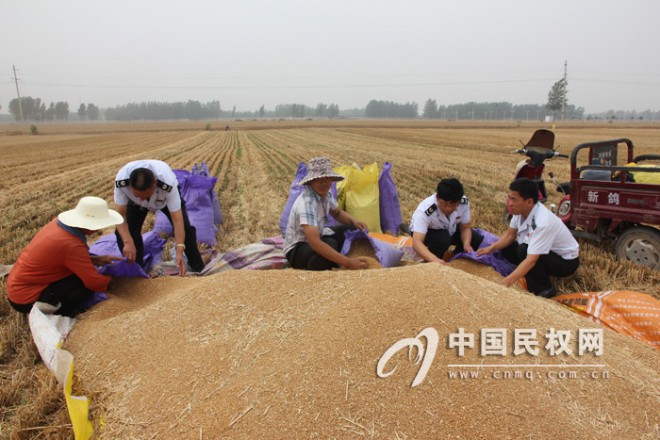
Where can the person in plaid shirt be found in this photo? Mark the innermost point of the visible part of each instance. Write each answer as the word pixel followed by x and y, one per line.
pixel 308 243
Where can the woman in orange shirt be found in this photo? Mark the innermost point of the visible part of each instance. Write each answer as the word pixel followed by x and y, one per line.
pixel 56 267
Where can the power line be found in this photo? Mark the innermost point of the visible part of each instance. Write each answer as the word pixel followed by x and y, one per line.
pixel 315 86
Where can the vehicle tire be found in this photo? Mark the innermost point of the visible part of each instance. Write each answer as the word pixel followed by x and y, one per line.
pixel 641 245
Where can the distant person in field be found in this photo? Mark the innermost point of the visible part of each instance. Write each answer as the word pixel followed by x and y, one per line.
pixel 443 220
pixel 308 243
pixel 151 185
pixel 56 267
pixel 537 241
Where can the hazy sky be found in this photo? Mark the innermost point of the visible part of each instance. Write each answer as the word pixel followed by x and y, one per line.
pixel 252 52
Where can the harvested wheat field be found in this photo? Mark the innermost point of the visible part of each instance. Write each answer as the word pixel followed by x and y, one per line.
pixel 288 354
pixel 293 355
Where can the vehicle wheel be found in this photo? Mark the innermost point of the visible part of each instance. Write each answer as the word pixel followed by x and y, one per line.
pixel 641 245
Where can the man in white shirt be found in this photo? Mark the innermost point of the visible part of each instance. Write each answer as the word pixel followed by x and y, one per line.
pixel 443 220
pixel 151 185
pixel 537 241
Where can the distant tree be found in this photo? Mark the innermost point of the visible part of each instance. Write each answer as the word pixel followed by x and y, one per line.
pixel 557 96
pixel 233 112
pixel 262 111
pixel 388 109
pixel 194 110
pixel 61 111
pixel 212 109
pixel 333 111
pixel 321 110
pixel 82 112
pixel 92 112
pixel 33 109
pixel 430 109
pixel 50 113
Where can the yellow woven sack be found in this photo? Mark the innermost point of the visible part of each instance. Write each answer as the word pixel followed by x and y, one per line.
pixel 358 194
pixel 642 177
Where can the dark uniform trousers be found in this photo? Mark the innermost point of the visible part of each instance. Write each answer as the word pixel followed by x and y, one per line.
pixel 135 216
pixel 439 240
pixel 538 278
pixel 70 292
pixel 302 256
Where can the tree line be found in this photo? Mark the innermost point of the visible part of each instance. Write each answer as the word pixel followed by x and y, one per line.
pixel 494 111
pixel 33 109
pixel 389 109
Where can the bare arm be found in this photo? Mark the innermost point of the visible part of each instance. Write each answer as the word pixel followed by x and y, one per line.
pixel 345 218
pixel 323 249
pixel 423 250
pixel 129 250
pixel 504 241
pixel 466 236
pixel 525 266
pixel 179 238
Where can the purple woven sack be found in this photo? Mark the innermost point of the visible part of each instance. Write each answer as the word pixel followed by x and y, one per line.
pixel 387 255
pixel 203 170
pixel 107 245
pixel 294 191
pixel 495 260
pixel 199 205
pixel 390 209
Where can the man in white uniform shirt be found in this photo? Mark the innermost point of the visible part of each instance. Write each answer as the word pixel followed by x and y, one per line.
pixel 537 241
pixel 151 185
pixel 443 220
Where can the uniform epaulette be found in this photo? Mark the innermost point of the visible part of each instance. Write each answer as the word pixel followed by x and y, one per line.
pixel 431 209
pixel 464 200
pixel 121 183
pixel 164 186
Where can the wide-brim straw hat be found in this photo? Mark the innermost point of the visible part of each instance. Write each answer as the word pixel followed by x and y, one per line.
pixel 320 167
pixel 91 213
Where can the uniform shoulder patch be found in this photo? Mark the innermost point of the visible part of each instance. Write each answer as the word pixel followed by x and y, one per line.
pixel 464 200
pixel 164 186
pixel 121 183
pixel 431 209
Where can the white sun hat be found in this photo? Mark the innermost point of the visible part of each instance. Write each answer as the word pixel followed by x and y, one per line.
pixel 91 213
pixel 320 167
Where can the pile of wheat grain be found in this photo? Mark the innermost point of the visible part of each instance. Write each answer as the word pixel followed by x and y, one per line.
pixel 293 354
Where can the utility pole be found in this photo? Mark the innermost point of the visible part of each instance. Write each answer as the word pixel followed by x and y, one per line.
pixel 20 106
pixel 563 98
